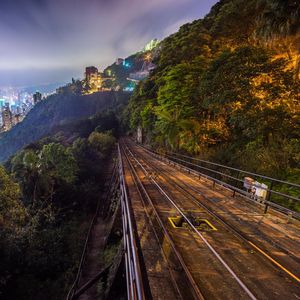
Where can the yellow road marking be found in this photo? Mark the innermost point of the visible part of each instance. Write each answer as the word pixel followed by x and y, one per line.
pixel 211 225
pixel 275 262
pixel 172 219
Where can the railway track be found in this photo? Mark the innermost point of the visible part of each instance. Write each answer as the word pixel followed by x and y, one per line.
pixel 182 281
pixel 210 206
pixel 228 251
pixel 196 193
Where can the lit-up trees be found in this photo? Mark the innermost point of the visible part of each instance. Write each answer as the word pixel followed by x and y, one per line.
pixel 279 25
pixel 252 92
pixel 178 99
pixel 218 91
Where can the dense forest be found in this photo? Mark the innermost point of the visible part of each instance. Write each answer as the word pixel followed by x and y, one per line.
pixel 49 191
pixel 226 88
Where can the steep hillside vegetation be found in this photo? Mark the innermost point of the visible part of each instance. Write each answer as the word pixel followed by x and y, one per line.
pixel 49 191
pixel 56 110
pixel 227 88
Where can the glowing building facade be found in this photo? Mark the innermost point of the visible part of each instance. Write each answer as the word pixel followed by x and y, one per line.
pixel 93 79
pixel 7 118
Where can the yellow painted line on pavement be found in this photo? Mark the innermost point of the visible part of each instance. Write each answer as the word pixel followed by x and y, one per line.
pixel 172 222
pixel 211 225
pixel 275 262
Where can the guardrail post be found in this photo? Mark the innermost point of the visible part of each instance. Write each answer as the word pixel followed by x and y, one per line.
pixel 270 191
pixel 266 208
pixel 268 197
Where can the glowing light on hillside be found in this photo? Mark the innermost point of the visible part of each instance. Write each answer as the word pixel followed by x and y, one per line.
pixel 126 64
pixel 148 57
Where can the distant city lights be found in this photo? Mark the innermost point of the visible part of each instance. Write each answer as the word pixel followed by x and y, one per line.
pixel 126 64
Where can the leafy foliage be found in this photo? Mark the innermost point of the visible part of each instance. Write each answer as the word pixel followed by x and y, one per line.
pixel 42 216
pixel 102 142
pixel 11 209
pixel 222 91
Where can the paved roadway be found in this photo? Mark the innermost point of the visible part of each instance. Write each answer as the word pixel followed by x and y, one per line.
pixel 250 255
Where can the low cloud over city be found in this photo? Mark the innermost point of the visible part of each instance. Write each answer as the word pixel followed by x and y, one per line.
pixel 50 41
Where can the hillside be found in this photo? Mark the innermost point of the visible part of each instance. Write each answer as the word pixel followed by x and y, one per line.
pixel 226 88
pixel 120 73
pixel 56 110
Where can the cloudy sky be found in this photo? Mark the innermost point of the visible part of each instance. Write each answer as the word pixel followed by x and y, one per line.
pixel 44 41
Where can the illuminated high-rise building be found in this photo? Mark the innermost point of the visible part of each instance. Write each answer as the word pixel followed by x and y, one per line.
pixel 37 97
pixel 2 103
pixel 93 78
pixel 7 120
pixel 17 118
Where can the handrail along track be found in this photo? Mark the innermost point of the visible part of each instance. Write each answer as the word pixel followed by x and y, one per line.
pixel 134 281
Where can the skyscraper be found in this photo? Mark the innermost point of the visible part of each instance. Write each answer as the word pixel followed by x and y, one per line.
pixel 37 97
pixel 93 78
pixel 6 118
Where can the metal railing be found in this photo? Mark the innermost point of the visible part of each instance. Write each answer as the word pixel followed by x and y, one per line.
pixel 133 273
pixel 224 176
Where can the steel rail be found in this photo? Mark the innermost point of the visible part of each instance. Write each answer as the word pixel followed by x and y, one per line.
pixel 236 179
pixel 133 273
pixel 272 180
pixel 245 194
pixel 211 248
pixel 238 170
pixel 138 182
pixel 231 228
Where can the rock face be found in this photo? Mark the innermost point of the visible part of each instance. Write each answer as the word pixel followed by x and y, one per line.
pixel 56 110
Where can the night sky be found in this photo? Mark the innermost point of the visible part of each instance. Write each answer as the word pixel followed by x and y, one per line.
pixel 44 41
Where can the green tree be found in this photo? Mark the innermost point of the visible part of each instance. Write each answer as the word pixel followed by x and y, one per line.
pixel 11 209
pixel 58 164
pixel 89 160
pixel 102 142
pixel 178 99
pixel 13 216
pixel 251 90
pixel 26 168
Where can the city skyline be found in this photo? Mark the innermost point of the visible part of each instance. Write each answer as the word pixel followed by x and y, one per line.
pixel 52 41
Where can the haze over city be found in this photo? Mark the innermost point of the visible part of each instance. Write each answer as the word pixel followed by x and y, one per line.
pixel 45 41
